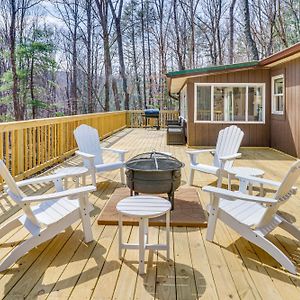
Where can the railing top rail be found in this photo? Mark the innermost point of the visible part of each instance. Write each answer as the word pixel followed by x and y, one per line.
pixel 8 126
pixel 15 125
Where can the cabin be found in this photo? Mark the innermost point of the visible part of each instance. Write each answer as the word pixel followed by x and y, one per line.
pixel 261 97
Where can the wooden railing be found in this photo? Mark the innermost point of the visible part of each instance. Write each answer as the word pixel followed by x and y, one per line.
pixel 136 119
pixel 28 147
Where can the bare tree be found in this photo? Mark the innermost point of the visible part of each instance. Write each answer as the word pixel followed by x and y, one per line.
pixel 102 6
pixel 231 31
pixel 249 39
pixel 117 15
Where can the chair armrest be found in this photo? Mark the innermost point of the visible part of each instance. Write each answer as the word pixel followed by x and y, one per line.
pixel 85 155
pixel 194 153
pixel 71 194
pixel 36 180
pixel 121 153
pixel 264 181
pixel 230 157
pixel 114 150
pixel 90 158
pixel 230 195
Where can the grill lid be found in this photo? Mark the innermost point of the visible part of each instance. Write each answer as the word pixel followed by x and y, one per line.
pixel 151 111
pixel 154 161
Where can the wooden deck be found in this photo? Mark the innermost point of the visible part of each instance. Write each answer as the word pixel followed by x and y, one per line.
pixel 231 268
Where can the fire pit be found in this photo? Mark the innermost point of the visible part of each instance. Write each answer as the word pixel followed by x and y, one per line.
pixel 154 173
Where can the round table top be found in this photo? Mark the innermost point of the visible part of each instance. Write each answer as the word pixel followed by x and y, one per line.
pixel 72 171
pixel 143 206
pixel 246 171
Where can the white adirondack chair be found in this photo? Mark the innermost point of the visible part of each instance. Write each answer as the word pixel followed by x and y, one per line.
pixel 53 213
pixel 226 151
pixel 254 217
pixel 91 152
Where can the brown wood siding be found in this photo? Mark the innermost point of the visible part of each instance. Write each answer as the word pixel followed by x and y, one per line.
pixel 285 130
pixel 205 134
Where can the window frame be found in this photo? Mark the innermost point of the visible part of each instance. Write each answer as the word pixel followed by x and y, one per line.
pixel 274 111
pixel 224 84
pixel 183 103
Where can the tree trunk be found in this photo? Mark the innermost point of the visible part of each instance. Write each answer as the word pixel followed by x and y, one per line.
pixel 149 58
pixel 192 39
pixel 89 57
pixel 137 80
pixel 102 10
pixel 231 31
pixel 178 48
pixel 74 95
pixel 31 85
pixel 144 54
pixel 250 42
pixel 117 21
pixel 12 46
pixel 218 33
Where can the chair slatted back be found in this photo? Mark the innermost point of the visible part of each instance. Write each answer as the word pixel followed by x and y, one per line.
pixel 88 141
pixel 15 192
pixel 228 143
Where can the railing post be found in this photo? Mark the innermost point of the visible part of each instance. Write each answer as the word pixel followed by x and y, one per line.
pixel 20 151
pixel 61 139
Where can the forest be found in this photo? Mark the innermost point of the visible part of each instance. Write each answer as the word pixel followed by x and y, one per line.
pixel 66 57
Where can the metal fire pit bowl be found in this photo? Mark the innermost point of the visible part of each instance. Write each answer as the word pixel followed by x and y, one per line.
pixel 154 173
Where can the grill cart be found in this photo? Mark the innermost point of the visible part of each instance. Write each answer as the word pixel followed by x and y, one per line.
pixel 152 113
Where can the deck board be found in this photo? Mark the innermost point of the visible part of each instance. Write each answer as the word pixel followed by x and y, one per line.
pixel 66 268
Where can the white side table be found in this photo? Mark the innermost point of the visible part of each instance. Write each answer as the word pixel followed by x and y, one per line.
pixel 144 208
pixel 71 172
pixel 232 172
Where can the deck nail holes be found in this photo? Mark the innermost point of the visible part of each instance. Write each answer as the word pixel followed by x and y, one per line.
pixel 41 292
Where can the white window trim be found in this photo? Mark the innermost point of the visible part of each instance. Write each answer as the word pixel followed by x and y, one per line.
pixel 224 84
pixel 184 90
pixel 274 111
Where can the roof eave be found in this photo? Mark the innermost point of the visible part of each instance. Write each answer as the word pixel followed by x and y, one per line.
pixel 281 55
pixel 212 70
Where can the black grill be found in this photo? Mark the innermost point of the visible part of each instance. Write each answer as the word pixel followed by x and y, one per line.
pixel 151 113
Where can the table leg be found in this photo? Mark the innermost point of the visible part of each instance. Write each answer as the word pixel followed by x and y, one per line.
pixel 84 179
pixel 141 246
pixel 120 223
pixel 168 234
pixel 146 226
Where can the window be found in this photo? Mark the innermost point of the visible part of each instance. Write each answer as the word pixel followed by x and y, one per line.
pixel 278 95
pixel 229 104
pixel 255 104
pixel 233 103
pixel 204 103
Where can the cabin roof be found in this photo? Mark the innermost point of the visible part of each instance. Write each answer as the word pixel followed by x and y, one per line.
pixel 177 79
